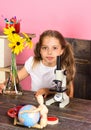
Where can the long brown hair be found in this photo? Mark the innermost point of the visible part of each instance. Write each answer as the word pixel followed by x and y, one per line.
pixel 67 56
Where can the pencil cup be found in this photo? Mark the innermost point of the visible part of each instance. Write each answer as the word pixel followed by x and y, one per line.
pixel 15 25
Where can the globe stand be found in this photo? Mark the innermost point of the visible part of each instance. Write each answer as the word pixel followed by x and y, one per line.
pixel 16 122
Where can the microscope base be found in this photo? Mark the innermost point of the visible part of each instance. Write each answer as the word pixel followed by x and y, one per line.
pixel 59 97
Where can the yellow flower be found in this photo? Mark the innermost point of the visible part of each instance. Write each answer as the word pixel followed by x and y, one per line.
pixel 28 40
pixel 9 31
pixel 16 43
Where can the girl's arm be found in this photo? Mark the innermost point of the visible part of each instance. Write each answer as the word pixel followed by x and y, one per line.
pixel 22 74
pixel 44 92
pixel 2 86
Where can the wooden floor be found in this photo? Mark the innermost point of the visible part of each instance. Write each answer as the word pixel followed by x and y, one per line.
pixel 75 116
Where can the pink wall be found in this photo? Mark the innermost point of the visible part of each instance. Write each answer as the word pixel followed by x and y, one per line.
pixel 71 17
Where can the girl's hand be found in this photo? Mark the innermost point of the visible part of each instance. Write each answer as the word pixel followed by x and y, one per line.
pixel 43 91
pixel 2 86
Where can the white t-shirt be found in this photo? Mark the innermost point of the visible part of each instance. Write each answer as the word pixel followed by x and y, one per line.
pixel 41 76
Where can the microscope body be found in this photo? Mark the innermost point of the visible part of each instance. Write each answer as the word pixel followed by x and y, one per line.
pixel 59 86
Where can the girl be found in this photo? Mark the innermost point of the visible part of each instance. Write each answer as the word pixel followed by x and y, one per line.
pixel 41 67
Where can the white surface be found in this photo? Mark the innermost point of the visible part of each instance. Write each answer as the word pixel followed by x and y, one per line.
pixel 3 76
pixel 5 53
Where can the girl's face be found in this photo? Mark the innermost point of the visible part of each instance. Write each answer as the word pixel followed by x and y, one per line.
pixel 49 51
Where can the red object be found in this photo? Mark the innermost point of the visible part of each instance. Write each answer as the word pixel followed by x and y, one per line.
pixel 15 25
pixel 13 112
pixel 52 120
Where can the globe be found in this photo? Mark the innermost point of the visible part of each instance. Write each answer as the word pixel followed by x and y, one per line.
pixel 28 119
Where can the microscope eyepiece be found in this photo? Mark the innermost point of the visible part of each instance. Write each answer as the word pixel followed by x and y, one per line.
pixel 58 62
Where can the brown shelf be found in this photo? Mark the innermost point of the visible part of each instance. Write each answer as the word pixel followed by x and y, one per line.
pixel 31 35
pixel 7 69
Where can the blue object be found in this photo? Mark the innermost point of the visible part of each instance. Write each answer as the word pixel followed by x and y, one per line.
pixel 28 119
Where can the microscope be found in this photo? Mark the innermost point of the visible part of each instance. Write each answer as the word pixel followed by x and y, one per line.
pixel 59 86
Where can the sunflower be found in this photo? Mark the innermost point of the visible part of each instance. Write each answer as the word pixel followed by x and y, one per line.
pixel 9 31
pixel 28 40
pixel 16 43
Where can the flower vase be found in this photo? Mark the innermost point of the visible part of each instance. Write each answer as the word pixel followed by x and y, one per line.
pixel 13 86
